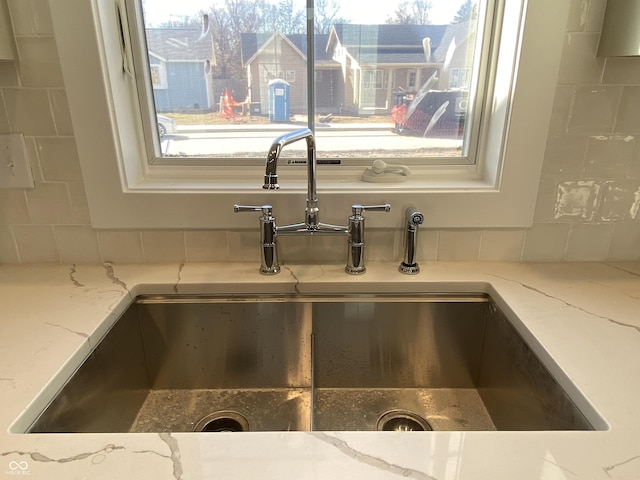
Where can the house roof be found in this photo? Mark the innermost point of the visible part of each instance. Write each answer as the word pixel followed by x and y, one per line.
pixel 369 44
pixel 387 36
pixel 457 32
pixel 253 42
pixel 395 44
pixel 179 44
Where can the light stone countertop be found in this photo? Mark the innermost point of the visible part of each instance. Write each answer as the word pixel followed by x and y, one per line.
pixel 585 315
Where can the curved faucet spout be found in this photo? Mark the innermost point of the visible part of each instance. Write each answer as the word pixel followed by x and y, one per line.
pixel 271 169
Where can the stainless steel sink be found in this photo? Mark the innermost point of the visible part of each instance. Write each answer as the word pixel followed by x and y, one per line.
pixel 278 363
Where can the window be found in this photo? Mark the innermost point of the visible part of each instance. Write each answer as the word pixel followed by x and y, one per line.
pixel 412 76
pixel 361 52
pixel 158 75
pixel 459 77
pixel 375 79
pixel 128 187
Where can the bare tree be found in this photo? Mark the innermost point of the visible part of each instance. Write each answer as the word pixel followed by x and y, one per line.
pixel 326 14
pixel 283 17
pixel 411 12
pixel 235 17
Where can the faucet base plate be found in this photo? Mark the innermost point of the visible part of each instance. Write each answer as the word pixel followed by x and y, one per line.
pixel 409 269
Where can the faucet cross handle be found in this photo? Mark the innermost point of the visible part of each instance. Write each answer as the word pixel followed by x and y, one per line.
pixel 355 260
pixel 360 209
pixel 265 209
pixel 269 264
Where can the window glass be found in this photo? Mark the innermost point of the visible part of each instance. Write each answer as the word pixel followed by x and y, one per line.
pixel 395 81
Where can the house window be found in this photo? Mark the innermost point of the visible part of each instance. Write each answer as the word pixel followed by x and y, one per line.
pixel 158 75
pixel 411 79
pixel 484 177
pixel 374 79
pixel 459 77
pixel 290 76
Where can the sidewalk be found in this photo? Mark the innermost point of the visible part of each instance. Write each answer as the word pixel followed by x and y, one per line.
pixel 235 127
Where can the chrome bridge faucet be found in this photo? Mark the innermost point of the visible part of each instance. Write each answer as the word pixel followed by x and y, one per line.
pixel 312 225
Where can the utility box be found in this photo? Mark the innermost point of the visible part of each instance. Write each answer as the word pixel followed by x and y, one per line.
pixel 279 104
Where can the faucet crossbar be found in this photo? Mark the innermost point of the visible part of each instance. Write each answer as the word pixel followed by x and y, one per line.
pixel 319 229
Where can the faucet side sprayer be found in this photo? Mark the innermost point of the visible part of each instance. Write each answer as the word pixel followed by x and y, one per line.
pixel 413 219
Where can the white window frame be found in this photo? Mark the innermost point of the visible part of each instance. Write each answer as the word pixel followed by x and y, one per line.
pixel 124 191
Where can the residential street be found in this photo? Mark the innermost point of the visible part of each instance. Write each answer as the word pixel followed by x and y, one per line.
pixel 348 139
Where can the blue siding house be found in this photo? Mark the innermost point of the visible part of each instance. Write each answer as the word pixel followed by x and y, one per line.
pixel 180 60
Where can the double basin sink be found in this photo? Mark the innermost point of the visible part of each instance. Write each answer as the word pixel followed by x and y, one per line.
pixel 301 363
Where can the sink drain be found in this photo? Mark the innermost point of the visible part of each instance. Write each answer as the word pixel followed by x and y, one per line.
pixel 223 421
pixel 402 421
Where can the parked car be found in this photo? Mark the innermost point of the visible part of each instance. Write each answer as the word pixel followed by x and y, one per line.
pixel 166 126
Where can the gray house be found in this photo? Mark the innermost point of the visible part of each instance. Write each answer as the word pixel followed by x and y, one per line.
pixel 179 60
pixel 359 67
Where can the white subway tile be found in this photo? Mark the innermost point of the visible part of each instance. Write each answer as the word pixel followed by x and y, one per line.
pixel 594 109
pixel 545 242
pixel 459 245
pixel 564 156
pixel 244 246
pixel 579 64
pixel 621 71
pixel 628 120
pixel 8 247
pixel 29 111
pixel 163 246
pixel 60 110
pixel 120 246
pixel 39 62
pixel 30 17
pixel 77 244
pixel 207 246
pixel 561 109
pixel 588 242
pixel 609 156
pixel 49 203
pixel 36 243
pixel 59 159
pixel 79 204
pixel 578 15
pixel 13 207
pixel 380 245
pixel 625 241
pixel 501 245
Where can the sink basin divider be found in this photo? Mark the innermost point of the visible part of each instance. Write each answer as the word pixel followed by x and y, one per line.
pixel 313 383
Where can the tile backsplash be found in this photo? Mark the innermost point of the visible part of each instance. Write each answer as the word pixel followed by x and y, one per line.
pixel 588 205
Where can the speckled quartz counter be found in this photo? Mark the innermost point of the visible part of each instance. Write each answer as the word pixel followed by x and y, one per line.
pixel 586 316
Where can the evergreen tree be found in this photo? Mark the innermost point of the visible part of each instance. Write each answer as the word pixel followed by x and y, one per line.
pixel 467 11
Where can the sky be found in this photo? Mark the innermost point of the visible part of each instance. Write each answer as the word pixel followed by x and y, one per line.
pixel 359 11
